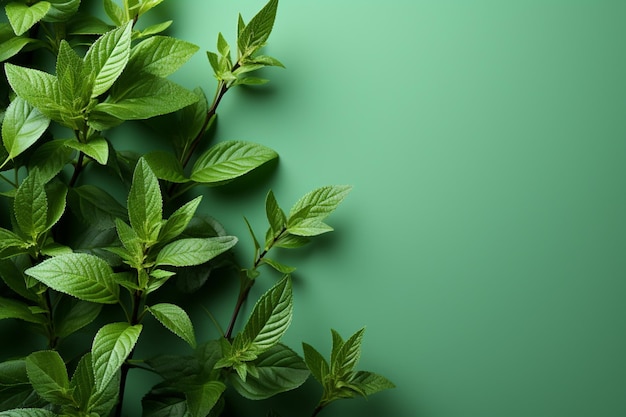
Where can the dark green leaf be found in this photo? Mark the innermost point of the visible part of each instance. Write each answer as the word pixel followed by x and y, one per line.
pixel 73 316
pixel 31 206
pixel 348 354
pixel 369 383
pixel 14 309
pixel 278 370
pixel 316 363
pixel 176 320
pixel 96 207
pixel 50 158
pixel 61 10
pixel 165 166
pixel 201 400
pixel 111 346
pixel 27 412
pixel 145 209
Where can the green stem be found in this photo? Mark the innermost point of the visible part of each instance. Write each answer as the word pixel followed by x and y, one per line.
pixel 77 169
pixel 317 410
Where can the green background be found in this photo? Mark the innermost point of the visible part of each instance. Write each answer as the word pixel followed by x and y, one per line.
pixel 483 244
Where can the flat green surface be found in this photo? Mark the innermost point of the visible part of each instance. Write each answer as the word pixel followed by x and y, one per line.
pixel 483 243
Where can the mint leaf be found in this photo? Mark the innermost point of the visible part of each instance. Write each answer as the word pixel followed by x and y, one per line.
pixel 115 12
pixel 176 320
pixel 23 124
pixel 106 58
pixel 111 346
pixel 160 56
pixel 87 397
pixel 275 215
pixel 254 35
pixel 348 354
pixel 13 46
pixel 229 160
pixel 22 17
pixel 179 220
pixel 56 193
pixel 50 158
pixel 201 400
pixel 61 10
pixel 316 363
pixel 48 376
pixel 31 206
pixel 270 317
pixel 368 383
pixel 145 203
pixel 165 166
pixel 97 148
pixel 279 369
pixel 14 309
pixel 27 412
pixel 73 316
pixel 194 251
pixel 39 88
pixel 80 275
pixel 307 215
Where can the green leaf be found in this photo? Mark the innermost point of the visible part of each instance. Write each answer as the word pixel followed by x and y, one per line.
pixel 348 354
pixel 106 58
pixel 97 148
pixel 155 29
pixel 179 220
pixel 61 10
pixel 27 412
pixel 160 56
pixel 48 376
pixel 22 126
pixel 307 215
pixel 146 5
pixel 112 345
pixel 270 317
pixel 279 266
pixel 73 316
pixel 14 309
pixel 131 242
pixel 96 207
pixel 39 88
pixel 165 166
pixel 279 369
pixel 255 33
pixel 11 45
pixel 368 383
pixel 316 363
pixel 13 372
pixel 275 215
pixel 194 251
pixel 162 403
pixel 74 88
pixel 201 400
pixel 145 205
pixel 50 158
pixel 13 276
pixel 80 275
pixel 145 97
pixel 176 320
pixel 56 193
pixel 229 160
pixel 22 17
pixel 266 61
pixel 291 241
pixel 10 240
pixel 89 399
pixel 31 206
pixel 115 12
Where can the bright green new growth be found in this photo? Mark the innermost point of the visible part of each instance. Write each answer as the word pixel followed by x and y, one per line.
pixel 83 261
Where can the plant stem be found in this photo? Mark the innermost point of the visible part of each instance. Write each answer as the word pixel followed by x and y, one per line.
pixel 137 302
pixel 77 169
pixel 317 410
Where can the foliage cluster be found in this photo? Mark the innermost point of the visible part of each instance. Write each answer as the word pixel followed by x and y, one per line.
pixel 68 248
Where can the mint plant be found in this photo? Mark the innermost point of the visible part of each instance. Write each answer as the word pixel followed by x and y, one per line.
pixel 76 259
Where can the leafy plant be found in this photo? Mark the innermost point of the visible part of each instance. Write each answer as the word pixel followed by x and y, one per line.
pixel 74 259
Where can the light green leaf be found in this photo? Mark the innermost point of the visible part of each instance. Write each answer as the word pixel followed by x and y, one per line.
pixel 141 98
pixel 74 87
pixel 165 166
pixel 155 29
pixel 194 251
pixel 22 17
pixel 31 206
pixel 61 10
pixel 347 356
pixel 73 316
pixel 200 401
pixel 131 242
pixel 285 269
pixel 255 33
pixel 145 205
pixel 13 45
pixel 56 193
pixel 229 160
pixel 80 275
pixel 266 61
pixel 270 317
pixel 10 240
pixel 178 221
pixel 176 320
pixel 307 215
pixel 111 346
pixel 146 5
pixel 87 25
pixel 279 369
pixel 48 376
pixel 115 12
pixel 275 215
pixel 316 363
pixel 106 58
pixel 160 56
pixel 291 241
pixel 27 412
pixel 14 309
pixel 97 148
pixel 39 88
pixel 251 81
pixel 23 124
